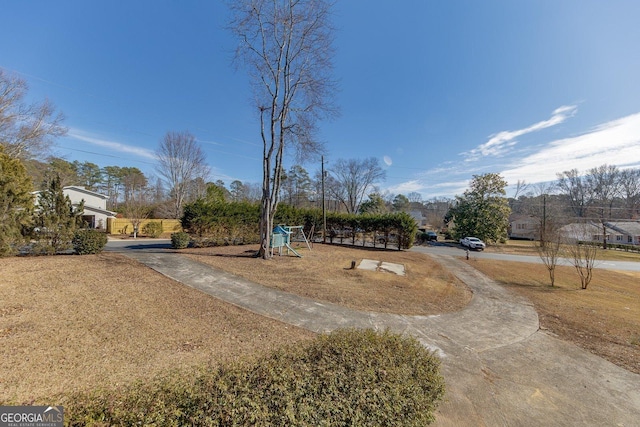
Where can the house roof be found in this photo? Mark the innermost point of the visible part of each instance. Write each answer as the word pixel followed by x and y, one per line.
pixel 522 217
pixel 625 227
pixel 98 210
pixel 580 229
pixel 83 190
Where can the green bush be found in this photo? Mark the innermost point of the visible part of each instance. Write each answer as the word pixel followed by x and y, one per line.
pixel 152 229
pixel 349 377
pixel 180 240
pixel 89 241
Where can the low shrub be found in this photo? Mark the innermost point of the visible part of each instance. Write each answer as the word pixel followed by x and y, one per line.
pixel 152 229
pixel 180 240
pixel 89 241
pixel 349 377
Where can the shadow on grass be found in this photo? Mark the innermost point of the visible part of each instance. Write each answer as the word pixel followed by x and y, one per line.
pixel 538 287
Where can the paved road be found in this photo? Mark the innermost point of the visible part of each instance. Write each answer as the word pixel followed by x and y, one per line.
pixel 455 250
pixel 500 368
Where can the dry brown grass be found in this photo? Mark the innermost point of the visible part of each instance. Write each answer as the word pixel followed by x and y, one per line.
pixel 80 322
pixel 527 247
pixel 604 319
pixel 72 323
pixel 324 274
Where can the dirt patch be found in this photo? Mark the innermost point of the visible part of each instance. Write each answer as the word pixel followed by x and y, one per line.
pixel 324 274
pixel 82 322
pixel 603 319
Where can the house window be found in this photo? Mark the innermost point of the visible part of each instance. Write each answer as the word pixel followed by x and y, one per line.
pixel 618 238
pixel 629 239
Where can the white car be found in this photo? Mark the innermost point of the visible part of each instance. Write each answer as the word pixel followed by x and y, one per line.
pixel 473 243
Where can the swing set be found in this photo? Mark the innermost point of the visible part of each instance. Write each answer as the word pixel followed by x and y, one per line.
pixel 283 235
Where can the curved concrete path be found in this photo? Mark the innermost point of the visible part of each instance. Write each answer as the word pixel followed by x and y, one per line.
pixel 500 369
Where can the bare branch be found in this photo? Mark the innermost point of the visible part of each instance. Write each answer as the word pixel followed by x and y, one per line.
pixel 286 47
pixel 180 162
pixel 25 130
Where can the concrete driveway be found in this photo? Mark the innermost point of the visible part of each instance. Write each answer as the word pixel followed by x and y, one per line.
pixel 500 368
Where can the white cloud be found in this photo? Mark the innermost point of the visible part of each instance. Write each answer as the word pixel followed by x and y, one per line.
pixel 406 187
pixel 430 189
pixel 500 142
pixel 615 143
pixel 111 145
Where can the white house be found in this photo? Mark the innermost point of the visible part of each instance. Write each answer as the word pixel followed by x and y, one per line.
pixel 418 216
pixel 624 232
pixel 589 232
pixel 524 227
pixel 95 212
pixel 621 232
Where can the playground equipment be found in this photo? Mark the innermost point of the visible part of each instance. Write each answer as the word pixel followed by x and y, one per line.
pixel 283 235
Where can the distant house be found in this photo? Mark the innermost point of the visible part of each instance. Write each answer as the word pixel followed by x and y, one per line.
pixel 624 232
pixel 588 232
pixel 621 232
pixel 524 227
pixel 418 216
pixel 95 211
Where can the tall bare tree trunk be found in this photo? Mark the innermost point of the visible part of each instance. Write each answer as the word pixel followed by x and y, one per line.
pixel 286 45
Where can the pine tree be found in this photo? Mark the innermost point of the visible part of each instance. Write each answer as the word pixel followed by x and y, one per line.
pixel 16 203
pixel 56 218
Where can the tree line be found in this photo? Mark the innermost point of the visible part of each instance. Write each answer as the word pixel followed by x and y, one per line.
pixel 606 192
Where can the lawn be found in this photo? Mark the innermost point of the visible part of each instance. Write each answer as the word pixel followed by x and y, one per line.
pixel 324 273
pixel 527 247
pixel 72 323
pixel 80 322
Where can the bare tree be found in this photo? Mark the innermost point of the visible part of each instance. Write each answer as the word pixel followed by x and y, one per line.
pixel 605 184
pixel 181 162
pixel 355 179
pixel 630 191
pixel 25 129
pixel 415 197
pixel 253 192
pixel 287 47
pixel 521 188
pixel 542 189
pixel 549 248
pixel 435 211
pixel 138 196
pixel 576 189
pixel 583 255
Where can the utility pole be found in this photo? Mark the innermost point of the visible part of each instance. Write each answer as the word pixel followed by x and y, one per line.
pixel 324 209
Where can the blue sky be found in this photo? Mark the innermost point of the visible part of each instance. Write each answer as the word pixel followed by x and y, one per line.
pixel 437 90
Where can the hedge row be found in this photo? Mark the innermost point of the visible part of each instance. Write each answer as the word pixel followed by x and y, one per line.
pixel 614 246
pixel 347 378
pixel 238 223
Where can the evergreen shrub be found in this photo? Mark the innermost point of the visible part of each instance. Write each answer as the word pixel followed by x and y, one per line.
pixel 152 229
pixel 346 378
pixel 89 241
pixel 180 240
